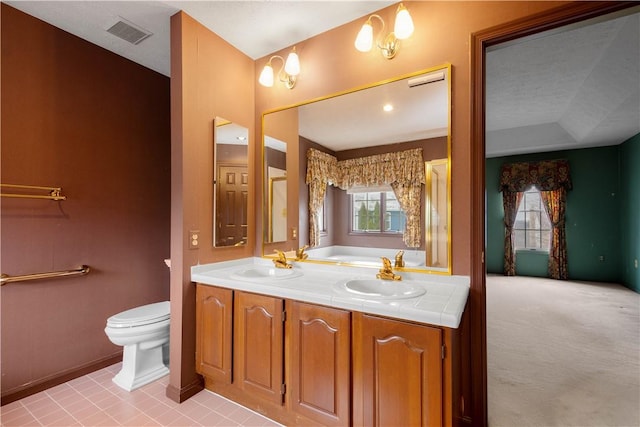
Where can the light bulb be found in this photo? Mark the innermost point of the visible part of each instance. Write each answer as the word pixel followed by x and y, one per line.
pixel 403 27
pixel 364 41
pixel 266 76
pixel 292 66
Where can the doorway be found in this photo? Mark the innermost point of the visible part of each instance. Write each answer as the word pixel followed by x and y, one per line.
pixel 481 41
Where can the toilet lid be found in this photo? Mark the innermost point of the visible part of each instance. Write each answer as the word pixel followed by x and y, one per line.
pixel 139 316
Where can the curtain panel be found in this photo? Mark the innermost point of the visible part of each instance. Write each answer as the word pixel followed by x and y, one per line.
pixel 321 169
pixel 403 171
pixel 553 179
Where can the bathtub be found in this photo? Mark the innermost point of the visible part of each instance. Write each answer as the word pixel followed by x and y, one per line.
pixel 366 257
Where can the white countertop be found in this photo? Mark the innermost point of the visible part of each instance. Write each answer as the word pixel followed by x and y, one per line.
pixel 442 304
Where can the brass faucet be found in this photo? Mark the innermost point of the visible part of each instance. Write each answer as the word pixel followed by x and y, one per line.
pixel 281 261
pixel 399 261
pixel 386 272
pixel 300 255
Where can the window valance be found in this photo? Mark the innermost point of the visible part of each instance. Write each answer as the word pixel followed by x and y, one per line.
pixel 547 175
pixel 403 171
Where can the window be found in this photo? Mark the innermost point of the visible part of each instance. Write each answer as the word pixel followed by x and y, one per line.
pixel 322 219
pixel 376 212
pixel 532 229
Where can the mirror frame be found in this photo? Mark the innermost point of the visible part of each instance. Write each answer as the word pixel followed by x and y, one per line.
pixel 425 270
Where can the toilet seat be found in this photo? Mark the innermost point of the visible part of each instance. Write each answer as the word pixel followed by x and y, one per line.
pixel 140 316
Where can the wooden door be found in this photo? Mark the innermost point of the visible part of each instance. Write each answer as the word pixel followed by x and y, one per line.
pixel 231 205
pixel 214 322
pixel 319 385
pixel 397 373
pixel 259 346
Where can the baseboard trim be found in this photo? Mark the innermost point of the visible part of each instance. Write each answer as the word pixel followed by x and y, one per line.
pixel 179 395
pixel 57 379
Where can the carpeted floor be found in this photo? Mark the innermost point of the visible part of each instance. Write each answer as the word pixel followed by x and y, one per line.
pixel 562 353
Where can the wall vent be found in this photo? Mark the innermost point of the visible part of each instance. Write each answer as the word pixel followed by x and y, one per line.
pixel 429 78
pixel 128 31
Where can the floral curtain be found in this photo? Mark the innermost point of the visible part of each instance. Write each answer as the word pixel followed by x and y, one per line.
pixel 555 203
pixel 545 175
pixel 552 178
pixel 403 171
pixel 321 169
pixel 510 201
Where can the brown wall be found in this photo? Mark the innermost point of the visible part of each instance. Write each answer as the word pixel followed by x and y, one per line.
pixel 209 78
pixel 79 117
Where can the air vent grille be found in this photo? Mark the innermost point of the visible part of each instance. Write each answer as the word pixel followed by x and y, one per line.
pixel 128 31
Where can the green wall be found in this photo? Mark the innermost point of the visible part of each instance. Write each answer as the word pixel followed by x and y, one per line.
pixel 593 216
pixel 630 212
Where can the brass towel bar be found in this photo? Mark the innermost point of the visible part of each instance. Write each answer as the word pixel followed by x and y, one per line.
pixel 4 279
pixel 54 192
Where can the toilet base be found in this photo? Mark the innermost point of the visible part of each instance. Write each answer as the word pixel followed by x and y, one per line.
pixel 129 384
pixel 141 366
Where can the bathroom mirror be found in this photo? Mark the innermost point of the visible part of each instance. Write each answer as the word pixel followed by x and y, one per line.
pixel 231 183
pixel 353 127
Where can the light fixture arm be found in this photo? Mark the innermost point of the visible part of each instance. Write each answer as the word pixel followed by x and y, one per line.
pixel 389 44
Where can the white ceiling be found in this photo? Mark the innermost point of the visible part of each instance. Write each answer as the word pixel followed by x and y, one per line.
pixel 569 88
pixel 256 28
pixel 575 87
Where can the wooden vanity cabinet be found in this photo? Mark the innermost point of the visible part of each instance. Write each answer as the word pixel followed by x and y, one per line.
pixel 397 373
pixel 319 361
pixel 315 365
pixel 259 346
pixel 214 339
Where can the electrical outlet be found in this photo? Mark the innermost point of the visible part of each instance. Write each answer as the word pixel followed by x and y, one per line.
pixel 601 258
pixel 294 233
pixel 194 239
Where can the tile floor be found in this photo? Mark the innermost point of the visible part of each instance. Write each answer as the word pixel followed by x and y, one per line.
pixel 94 400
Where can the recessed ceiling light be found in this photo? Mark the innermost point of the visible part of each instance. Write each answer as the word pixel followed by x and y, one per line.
pixel 387 107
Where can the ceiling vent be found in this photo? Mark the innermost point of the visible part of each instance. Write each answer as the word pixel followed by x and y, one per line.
pixel 128 31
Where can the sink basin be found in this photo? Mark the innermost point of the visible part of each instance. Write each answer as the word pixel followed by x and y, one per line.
pixel 265 273
pixel 381 289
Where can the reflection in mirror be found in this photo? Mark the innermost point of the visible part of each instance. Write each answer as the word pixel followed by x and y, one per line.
pixel 277 134
pixel 277 205
pixel 275 163
pixel 436 224
pixel 231 183
pixel 367 192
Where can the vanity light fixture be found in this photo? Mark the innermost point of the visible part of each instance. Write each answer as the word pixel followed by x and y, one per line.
pixel 403 28
pixel 288 72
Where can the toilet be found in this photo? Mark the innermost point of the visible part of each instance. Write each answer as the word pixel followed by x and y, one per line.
pixel 144 333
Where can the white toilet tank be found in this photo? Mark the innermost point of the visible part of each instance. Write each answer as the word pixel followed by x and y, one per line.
pixel 140 316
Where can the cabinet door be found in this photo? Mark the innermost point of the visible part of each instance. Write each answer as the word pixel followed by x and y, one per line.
pixel 319 386
pixel 214 313
pixel 397 373
pixel 258 346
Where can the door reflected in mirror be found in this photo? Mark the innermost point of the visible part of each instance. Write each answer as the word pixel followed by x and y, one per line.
pixel 355 135
pixel 277 205
pixel 436 208
pixel 231 183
